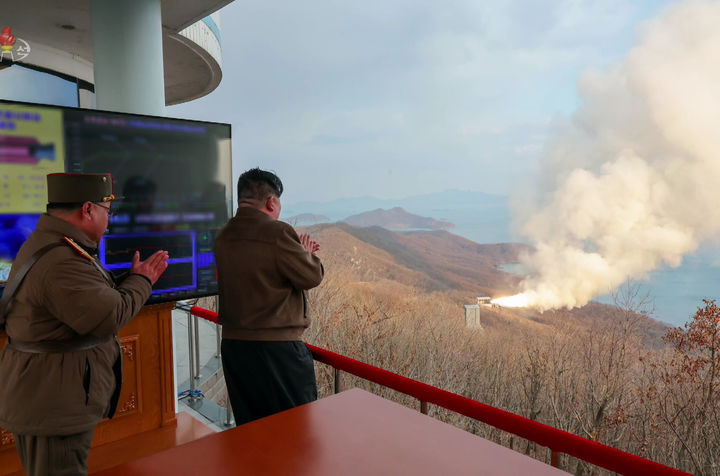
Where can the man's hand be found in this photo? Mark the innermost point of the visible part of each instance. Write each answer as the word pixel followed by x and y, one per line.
pixel 152 267
pixel 309 244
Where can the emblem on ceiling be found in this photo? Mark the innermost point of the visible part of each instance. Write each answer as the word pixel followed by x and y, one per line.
pixel 11 47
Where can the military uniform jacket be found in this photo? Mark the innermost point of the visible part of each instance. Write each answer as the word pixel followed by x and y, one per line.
pixel 263 271
pixel 64 295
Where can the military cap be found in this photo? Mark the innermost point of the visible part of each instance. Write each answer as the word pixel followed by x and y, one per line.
pixel 79 188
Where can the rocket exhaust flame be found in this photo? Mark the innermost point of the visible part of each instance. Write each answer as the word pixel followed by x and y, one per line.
pixel 629 181
pixel 518 300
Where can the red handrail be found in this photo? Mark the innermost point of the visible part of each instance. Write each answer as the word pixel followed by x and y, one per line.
pixel 557 440
pixel 206 314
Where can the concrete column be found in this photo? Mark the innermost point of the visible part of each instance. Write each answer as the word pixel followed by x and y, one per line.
pixel 128 56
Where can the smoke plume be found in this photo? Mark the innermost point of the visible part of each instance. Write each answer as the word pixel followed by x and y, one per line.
pixel 633 180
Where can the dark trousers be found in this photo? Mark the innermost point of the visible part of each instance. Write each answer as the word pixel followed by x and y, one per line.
pixel 263 378
pixel 54 455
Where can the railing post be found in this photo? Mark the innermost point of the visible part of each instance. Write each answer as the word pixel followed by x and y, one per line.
pixel 554 458
pixel 423 407
pixel 336 380
pixel 191 354
pixel 218 331
pixel 228 411
pixel 196 371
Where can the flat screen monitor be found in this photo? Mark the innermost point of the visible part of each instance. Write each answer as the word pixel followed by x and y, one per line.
pixel 174 175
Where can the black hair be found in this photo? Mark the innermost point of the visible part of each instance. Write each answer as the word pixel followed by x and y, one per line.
pixel 257 185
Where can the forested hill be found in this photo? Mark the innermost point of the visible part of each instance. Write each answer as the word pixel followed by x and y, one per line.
pixel 432 262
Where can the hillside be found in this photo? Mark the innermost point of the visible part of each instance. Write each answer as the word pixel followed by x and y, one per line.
pixel 450 271
pixel 445 261
pixel 396 218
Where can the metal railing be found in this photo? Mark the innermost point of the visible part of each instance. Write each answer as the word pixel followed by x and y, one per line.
pixel 558 441
pixel 195 365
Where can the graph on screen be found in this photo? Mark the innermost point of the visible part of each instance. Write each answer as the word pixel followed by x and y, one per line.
pixel 117 251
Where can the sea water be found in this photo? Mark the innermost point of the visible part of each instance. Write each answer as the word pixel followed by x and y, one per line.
pixel 674 294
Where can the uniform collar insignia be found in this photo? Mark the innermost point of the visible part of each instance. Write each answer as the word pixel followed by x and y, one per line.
pixel 78 248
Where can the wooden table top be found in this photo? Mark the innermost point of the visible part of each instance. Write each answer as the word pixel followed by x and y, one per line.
pixel 351 433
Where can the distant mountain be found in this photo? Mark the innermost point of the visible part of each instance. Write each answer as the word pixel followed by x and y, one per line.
pixel 306 219
pixel 429 204
pixel 478 216
pixel 396 219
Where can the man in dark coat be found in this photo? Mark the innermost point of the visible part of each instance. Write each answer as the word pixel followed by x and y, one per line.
pixel 264 268
pixel 61 369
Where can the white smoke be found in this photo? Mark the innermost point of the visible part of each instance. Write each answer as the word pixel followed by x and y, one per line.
pixel 634 180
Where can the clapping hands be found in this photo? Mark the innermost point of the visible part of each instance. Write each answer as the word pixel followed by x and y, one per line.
pixel 152 267
pixel 309 244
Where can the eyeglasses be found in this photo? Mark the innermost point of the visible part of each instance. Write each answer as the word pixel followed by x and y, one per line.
pixel 110 212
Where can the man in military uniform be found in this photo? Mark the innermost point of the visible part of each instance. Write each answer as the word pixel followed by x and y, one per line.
pixel 61 369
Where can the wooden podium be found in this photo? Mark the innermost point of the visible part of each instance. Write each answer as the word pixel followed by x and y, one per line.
pixel 147 401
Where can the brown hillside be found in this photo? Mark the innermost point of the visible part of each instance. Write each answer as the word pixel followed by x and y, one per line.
pixel 358 261
pixel 435 273
pixel 466 264
pixel 444 261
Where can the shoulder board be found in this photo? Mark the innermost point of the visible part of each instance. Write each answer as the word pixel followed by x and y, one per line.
pixel 78 249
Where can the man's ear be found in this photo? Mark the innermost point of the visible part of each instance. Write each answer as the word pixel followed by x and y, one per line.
pixel 270 203
pixel 85 210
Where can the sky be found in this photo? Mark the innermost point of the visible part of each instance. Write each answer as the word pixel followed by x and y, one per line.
pixel 597 118
pixel 404 97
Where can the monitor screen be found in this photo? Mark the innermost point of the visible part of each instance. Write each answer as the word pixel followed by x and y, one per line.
pixel 174 176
